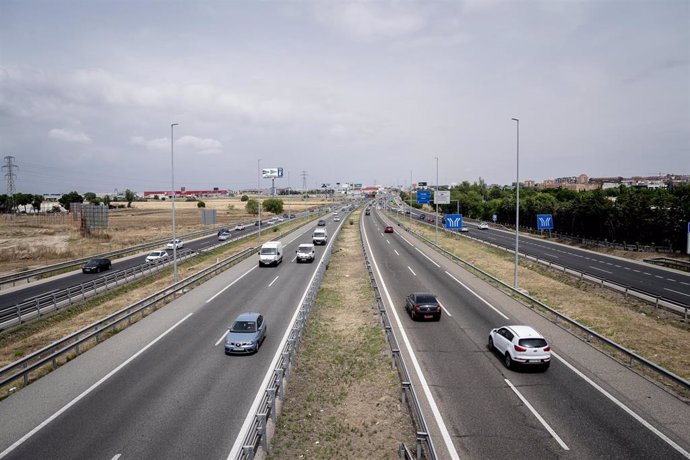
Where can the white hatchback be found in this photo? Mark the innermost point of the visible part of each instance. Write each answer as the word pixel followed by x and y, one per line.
pixel 520 345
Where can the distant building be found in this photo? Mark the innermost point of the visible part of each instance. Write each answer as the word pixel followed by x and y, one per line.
pixel 184 193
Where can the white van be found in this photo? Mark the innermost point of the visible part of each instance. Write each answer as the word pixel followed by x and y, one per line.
pixel 271 253
pixel 320 236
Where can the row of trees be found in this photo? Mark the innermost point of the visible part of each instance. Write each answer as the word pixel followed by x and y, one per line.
pixel 10 204
pixel 644 216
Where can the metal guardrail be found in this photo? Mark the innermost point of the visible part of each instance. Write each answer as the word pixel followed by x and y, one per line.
pixel 36 307
pixel 72 344
pixel 589 334
pixel 683 265
pixel 28 274
pixel 408 393
pixel 656 300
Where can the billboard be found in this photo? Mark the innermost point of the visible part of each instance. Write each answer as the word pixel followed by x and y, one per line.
pixel 442 197
pixel 272 173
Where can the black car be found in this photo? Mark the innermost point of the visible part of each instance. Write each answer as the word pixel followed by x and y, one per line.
pixel 96 266
pixel 423 305
pixel 422 216
pixel 322 223
pixel 223 230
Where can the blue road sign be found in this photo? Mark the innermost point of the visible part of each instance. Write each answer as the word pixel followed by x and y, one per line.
pixel 453 221
pixel 688 227
pixel 494 218
pixel 423 196
pixel 544 221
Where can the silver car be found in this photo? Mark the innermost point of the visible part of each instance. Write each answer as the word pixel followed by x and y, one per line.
pixel 246 334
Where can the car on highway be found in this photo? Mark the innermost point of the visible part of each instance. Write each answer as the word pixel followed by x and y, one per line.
pixel 336 219
pixel 483 226
pixel 305 253
pixel 367 212
pixel 292 216
pixel 240 227
pixel 96 265
pixel 464 229
pixel 421 216
pixel 224 236
pixel 175 244
pixel 388 229
pixel 157 256
pixel 322 223
pixel 279 219
pixel 222 230
pixel 246 334
pixel 423 305
pixel 520 345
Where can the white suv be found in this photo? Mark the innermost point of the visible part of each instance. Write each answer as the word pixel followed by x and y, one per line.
pixel 520 345
pixel 156 256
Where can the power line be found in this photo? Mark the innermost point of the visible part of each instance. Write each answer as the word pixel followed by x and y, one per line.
pixel 10 166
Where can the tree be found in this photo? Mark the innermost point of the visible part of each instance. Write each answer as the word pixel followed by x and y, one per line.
pixel 90 197
pixel 106 200
pixel 244 198
pixel 252 207
pixel 200 204
pixel 129 197
pixel 274 205
pixel 22 199
pixel 71 197
pixel 36 203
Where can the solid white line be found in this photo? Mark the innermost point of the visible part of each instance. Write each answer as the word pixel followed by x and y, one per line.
pixel 478 296
pixel 221 337
pixel 428 258
pixel 405 240
pixel 408 267
pixel 630 412
pixel 536 414
pixel 89 390
pixel 274 280
pixel 444 308
pixel 600 269
pixel 249 419
pixel 418 370
pixel 228 286
pixel 396 252
pixel 677 292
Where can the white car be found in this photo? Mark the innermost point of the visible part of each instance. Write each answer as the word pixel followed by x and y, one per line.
pixel 240 227
pixel 464 229
pixel 520 345
pixel 155 256
pixel 483 226
pixel 175 244
pixel 305 253
pixel 224 236
pixel 336 219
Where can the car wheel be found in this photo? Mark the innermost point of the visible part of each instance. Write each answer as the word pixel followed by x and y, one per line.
pixel 545 367
pixel 491 344
pixel 508 361
pixel 413 315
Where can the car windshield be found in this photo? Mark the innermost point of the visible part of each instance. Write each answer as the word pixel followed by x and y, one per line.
pixel 426 299
pixel 532 343
pixel 304 249
pixel 243 326
pixel 268 251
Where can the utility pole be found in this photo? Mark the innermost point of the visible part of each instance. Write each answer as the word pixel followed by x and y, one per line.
pixel 10 166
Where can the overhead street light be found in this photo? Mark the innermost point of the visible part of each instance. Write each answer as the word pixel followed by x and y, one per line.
pixel 436 200
pixel 258 194
pixel 172 171
pixel 517 202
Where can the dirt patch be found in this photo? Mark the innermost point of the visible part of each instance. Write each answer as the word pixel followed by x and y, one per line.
pixel 654 334
pixel 343 400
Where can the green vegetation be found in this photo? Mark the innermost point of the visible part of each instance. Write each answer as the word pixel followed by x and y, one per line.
pixel 252 207
pixel 274 205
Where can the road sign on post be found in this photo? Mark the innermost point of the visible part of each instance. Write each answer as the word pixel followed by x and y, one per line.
pixel 423 196
pixel 421 184
pixel 544 222
pixel 453 221
pixel 687 250
pixel 442 197
pixel 494 218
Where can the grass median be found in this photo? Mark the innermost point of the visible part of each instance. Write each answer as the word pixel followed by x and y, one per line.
pixel 343 398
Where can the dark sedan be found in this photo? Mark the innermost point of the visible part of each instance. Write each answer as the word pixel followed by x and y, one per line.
pixel 423 305
pixel 322 223
pixel 246 334
pixel 96 266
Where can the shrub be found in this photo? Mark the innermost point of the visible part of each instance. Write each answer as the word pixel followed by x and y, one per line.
pixel 201 204
pixel 244 198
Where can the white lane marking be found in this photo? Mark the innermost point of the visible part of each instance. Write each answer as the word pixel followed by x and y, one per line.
pixel 671 280
pixel 396 252
pixel 274 280
pixel 408 267
pixel 551 255
pixel 388 241
pixel 677 292
pixel 428 258
pixel 645 273
pixel 67 406
pixel 601 270
pixel 636 271
pixel 116 457
pixel 683 282
pixel 478 296
pixel 221 338
pixel 444 308
pixel 660 277
pixel 405 240
pixel 228 286
pixel 630 412
pixel 537 415
pixel 422 380
pixel 626 268
pixel 249 419
pixel 293 259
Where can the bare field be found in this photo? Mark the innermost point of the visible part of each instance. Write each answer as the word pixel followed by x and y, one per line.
pixel 30 241
pixel 654 334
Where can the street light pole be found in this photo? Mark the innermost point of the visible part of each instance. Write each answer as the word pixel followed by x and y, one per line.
pixel 172 172
pixel 410 214
pixel 436 200
pixel 517 202
pixel 258 194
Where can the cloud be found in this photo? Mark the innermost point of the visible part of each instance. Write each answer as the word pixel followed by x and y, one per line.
pixel 372 19
pixel 159 144
pixel 202 146
pixel 67 135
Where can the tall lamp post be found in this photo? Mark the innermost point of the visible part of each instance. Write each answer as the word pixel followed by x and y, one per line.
pixel 258 194
pixel 172 172
pixel 410 214
pixel 436 200
pixel 517 202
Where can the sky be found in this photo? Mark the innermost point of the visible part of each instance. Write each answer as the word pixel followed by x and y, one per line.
pixel 371 92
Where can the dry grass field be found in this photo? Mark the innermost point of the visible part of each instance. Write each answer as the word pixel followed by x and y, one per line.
pixel 30 241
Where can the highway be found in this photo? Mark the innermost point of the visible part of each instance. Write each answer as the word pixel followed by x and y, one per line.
pixel 163 388
pixel 479 409
pixel 659 282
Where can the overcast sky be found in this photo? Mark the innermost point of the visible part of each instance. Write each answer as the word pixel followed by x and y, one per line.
pixel 365 91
